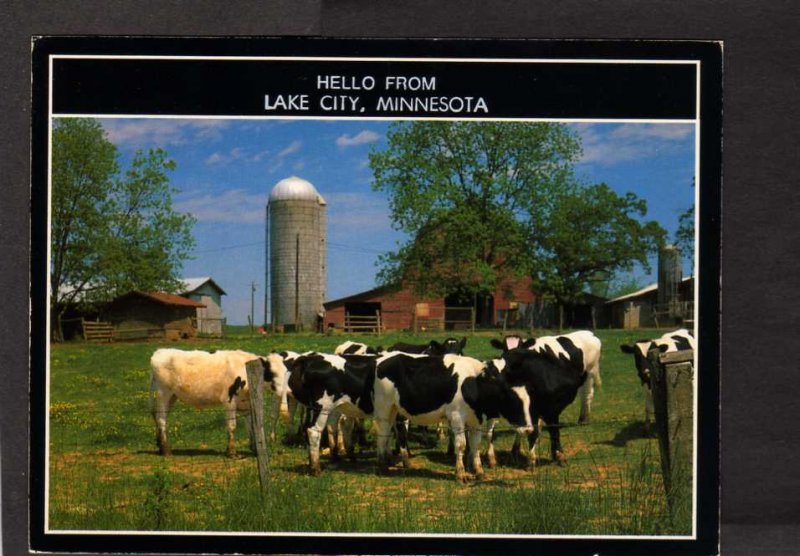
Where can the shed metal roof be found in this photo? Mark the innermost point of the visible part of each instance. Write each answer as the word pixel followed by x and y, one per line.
pixel 193 284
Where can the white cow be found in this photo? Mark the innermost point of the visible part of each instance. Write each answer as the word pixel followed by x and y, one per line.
pixel 202 379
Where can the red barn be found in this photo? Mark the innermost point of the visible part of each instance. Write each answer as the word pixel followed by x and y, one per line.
pixel 400 308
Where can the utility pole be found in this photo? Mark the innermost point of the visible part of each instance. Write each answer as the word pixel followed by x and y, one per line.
pixel 252 304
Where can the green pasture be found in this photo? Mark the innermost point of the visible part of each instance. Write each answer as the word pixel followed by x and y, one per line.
pixel 105 472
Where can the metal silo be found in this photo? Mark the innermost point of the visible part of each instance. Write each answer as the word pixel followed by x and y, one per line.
pixel 296 260
pixel 669 278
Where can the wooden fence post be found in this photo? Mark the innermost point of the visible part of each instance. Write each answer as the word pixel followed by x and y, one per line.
pixel 255 378
pixel 672 382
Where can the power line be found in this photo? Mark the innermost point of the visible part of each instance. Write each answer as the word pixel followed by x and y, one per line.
pixel 334 245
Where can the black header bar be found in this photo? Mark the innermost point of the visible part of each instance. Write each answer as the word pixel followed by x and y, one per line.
pixel 374 88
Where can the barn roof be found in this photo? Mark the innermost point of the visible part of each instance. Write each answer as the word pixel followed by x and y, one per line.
pixel 164 298
pixel 643 291
pixel 193 284
pixel 360 295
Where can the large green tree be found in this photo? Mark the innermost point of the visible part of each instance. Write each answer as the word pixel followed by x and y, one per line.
pixel 463 193
pixel 588 234
pixel 111 231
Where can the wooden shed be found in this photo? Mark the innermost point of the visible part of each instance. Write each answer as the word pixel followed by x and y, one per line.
pixel 139 314
pixel 206 291
pixel 640 309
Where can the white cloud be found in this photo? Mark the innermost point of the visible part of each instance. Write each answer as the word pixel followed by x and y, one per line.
pixel 361 138
pixel 630 141
pixel 233 205
pixel 293 147
pixel 161 133
pixel 236 154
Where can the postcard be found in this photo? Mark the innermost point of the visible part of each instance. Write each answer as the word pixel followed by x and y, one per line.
pixel 304 295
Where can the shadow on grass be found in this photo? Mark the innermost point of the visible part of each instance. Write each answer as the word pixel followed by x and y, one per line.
pixel 191 452
pixel 632 431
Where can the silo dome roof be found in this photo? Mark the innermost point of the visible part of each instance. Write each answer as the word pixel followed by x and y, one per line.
pixel 294 188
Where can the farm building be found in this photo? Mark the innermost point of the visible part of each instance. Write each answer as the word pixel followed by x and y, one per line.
pixel 644 309
pixel 152 315
pixel 513 303
pixel 206 291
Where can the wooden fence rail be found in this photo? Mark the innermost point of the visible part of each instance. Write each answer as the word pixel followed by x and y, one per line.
pixel 102 331
pixel 363 323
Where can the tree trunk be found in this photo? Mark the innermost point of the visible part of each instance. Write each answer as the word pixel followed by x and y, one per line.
pixel 560 316
pixel 58 330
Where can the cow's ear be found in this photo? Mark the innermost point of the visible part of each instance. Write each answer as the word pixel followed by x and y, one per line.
pixel 435 345
pixel 378 349
pixel 463 342
pixel 497 344
pixel 624 348
pixel 528 344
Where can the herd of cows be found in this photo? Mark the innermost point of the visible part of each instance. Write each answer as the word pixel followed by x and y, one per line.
pixel 530 383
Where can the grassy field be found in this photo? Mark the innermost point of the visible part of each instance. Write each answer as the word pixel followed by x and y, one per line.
pixel 105 473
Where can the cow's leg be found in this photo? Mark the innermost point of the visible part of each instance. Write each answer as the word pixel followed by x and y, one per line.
pixel 516 448
pixel 347 426
pixel 163 401
pixel 314 435
pixel 383 425
pixel 649 408
pixel 401 430
pixel 457 427
pixel 556 452
pixel 475 452
pixel 230 423
pixel 533 438
pixel 490 456
pixel 587 395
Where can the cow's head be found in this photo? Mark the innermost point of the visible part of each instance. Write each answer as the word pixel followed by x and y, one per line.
pixel 449 346
pixel 500 396
pixel 512 342
pixel 639 351
pixel 276 374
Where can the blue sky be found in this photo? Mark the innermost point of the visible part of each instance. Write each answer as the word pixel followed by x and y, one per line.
pixel 226 169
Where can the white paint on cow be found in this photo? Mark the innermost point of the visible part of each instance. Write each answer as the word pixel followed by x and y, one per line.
pixel 335 361
pixel 202 380
pixel 500 364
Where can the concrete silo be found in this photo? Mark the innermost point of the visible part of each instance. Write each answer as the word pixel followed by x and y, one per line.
pixel 669 279
pixel 296 271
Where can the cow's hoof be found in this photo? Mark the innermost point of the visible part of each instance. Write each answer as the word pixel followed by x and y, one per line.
pixel 583 421
pixel 560 458
pixel 480 476
pixel 491 462
pixel 461 478
pixel 314 471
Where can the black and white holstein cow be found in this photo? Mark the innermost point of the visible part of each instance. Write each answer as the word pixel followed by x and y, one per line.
pixel 332 386
pixel 449 346
pixel 585 350
pixel 202 379
pixel 676 340
pixel 356 348
pixel 427 389
pixel 552 382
